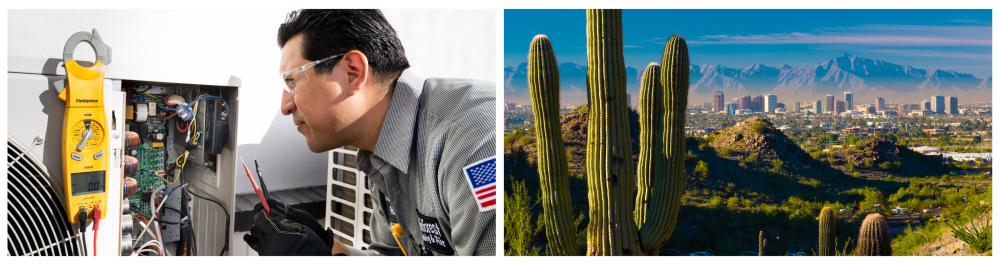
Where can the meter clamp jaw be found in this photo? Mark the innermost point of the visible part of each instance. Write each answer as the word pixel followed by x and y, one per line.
pixel 85 141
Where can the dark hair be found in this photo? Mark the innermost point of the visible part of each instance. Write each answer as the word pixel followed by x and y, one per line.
pixel 329 32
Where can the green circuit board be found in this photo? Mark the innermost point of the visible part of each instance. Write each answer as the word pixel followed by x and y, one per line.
pixel 151 162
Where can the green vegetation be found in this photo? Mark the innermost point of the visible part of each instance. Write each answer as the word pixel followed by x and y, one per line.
pixel 519 231
pixel 727 151
pixel 759 127
pixel 777 165
pixel 979 233
pixel 701 169
pixel 874 238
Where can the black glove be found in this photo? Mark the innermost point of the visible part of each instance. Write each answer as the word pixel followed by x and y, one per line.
pixel 286 232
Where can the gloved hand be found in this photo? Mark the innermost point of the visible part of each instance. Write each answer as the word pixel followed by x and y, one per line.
pixel 287 232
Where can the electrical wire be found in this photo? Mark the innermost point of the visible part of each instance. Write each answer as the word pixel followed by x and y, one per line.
pixel 83 236
pixel 154 97
pixel 146 227
pixel 226 242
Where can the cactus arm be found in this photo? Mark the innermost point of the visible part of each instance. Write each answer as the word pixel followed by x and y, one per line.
pixel 652 163
pixel 668 186
pixel 543 84
pixel 612 230
pixel 761 243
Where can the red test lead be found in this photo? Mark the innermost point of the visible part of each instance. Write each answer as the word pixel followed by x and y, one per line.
pixel 256 188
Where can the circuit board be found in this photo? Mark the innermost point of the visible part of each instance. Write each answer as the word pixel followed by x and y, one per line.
pixel 151 162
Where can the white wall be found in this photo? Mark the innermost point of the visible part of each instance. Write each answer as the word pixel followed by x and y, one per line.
pixel 243 43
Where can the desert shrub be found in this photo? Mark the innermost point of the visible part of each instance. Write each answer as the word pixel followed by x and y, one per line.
pixel 690 158
pixel 759 126
pixel 812 183
pixel 885 166
pixel 734 202
pixel 701 169
pixel 777 165
pixel 512 136
pixel 869 163
pixel 715 202
pixel 519 231
pixel 727 151
pixel 751 159
pixel 730 187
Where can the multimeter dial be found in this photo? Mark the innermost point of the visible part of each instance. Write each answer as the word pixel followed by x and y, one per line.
pixel 87 134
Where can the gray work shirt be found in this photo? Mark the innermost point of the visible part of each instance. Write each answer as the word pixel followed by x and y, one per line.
pixel 433 130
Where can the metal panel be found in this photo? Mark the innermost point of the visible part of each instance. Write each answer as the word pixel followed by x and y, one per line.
pixel 349 195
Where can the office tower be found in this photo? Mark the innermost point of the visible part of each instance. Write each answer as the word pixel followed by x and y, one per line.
pixel 719 103
pixel 745 103
pixel 818 107
pixel 628 100
pixel 951 105
pixel 840 107
pixel 792 106
pixel 937 104
pixel 781 105
pixel 904 109
pixel 871 110
pixel 731 108
pixel 925 105
pixel 879 104
pixel 829 103
pixel 758 103
pixel 770 103
pixel 848 101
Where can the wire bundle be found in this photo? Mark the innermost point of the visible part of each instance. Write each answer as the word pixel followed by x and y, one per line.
pixel 131 164
pixel 131 139
pixel 131 186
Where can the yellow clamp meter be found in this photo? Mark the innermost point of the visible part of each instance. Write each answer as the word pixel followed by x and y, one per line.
pixel 85 152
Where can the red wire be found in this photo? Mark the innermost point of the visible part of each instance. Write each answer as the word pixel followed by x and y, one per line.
pixel 95 243
pixel 185 128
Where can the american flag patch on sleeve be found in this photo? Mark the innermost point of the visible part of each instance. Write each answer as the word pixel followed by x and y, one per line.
pixel 482 180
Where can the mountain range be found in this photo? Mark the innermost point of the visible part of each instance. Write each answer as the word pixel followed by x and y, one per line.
pixel 866 78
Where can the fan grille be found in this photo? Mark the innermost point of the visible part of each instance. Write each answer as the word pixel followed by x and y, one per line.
pixel 36 217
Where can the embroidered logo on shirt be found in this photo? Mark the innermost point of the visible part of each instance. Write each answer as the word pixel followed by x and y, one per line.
pixel 482 177
pixel 433 235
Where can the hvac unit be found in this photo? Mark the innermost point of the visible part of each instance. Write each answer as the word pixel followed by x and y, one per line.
pixel 139 101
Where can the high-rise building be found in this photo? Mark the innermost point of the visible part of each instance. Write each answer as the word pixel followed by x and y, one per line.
pixel 829 103
pixel 780 105
pixel 925 105
pixel 879 104
pixel 745 103
pixel 719 103
pixel 758 103
pixel 951 105
pixel 937 104
pixel 792 106
pixel 770 103
pixel 818 107
pixel 839 108
pixel 904 108
pixel 731 108
pixel 848 101
pixel 871 110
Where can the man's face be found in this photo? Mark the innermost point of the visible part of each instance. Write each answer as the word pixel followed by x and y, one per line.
pixel 319 106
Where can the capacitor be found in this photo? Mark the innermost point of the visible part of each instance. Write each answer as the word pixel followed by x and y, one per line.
pixel 131 164
pixel 135 152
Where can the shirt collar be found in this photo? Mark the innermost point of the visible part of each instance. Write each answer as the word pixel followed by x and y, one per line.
pixel 396 136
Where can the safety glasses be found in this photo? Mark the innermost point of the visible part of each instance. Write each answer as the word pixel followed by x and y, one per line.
pixel 295 76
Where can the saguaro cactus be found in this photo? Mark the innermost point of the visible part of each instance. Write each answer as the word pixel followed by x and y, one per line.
pixel 873 239
pixel 543 84
pixel 761 243
pixel 618 225
pixel 827 232
pixel 609 151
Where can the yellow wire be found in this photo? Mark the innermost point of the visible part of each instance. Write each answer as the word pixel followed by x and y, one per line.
pixel 149 95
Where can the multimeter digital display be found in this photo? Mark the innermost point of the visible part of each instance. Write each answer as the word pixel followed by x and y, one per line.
pixel 87 183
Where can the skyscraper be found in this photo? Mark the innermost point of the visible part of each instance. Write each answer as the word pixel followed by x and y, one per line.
pixel 840 107
pixel 731 108
pixel 848 101
pixel 628 100
pixel 904 109
pixel 758 103
pixel 879 104
pixel 771 103
pixel 792 106
pixel 937 104
pixel 818 107
pixel 829 103
pixel 745 103
pixel 719 103
pixel 925 105
pixel 951 105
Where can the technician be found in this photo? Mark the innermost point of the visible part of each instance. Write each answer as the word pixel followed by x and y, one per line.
pixel 426 145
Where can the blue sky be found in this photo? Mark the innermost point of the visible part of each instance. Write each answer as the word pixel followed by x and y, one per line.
pixel 959 40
